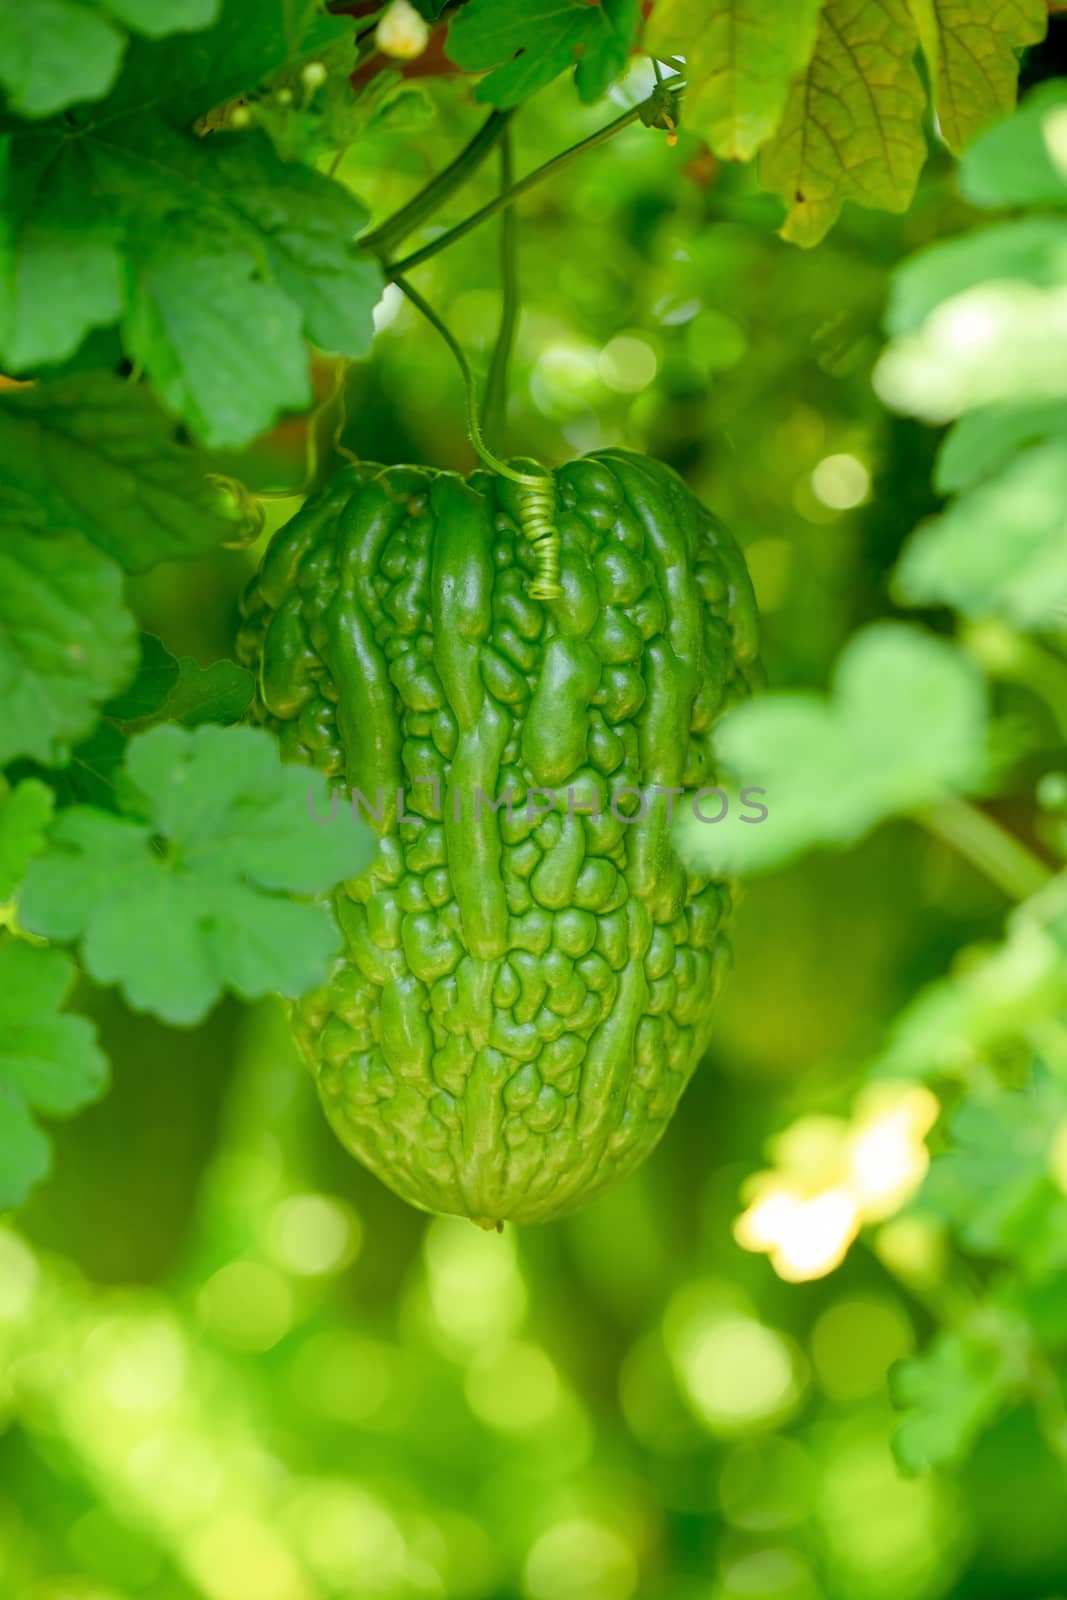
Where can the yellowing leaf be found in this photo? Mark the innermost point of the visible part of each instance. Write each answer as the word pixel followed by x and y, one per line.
pixel 970 48
pixel 740 56
pixel 852 128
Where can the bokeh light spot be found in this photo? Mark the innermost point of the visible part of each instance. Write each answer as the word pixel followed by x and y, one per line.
pixel 580 1560
pixel 313 1234
pixel 514 1387
pixel 841 482
pixel 776 1574
pixel 19 1276
pixel 246 1304
pixel 566 380
pixel 855 1342
pixel 766 1484
pixel 142 1366
pixel 476 1289
pixel 627 364
pixel 736 1372
pixel 238 1556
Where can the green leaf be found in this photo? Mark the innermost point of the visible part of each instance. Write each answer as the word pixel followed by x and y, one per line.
pixel 25 812
pixel 60 273
pixel 229 256
pixel 998 340
pixel 189 74
pixel 49 1062
pixel 95 454
pixel 219 693
pixel 852 127
pixel 187 894
pixel 969 1016
pixel 953 1391
pixel 971 55
pixel 982 442
pixel 1023 160
pixel 54 53
pixel 156 677
pixel 67 641
pixel 1033 251
pixel 90 774
pixel 1000 549
pixel 527 43
pixel 740 56
pixel 993 1184
pixel 905 724
pixel 196 324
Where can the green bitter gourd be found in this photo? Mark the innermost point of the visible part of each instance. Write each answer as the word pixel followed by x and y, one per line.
pixel 525 992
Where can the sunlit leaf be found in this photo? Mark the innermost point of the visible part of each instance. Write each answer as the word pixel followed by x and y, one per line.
pixel 852 128
pixel 972 55
pixel 740 56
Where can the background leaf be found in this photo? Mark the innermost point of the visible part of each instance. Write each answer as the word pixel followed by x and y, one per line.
pixel 95 454
pixel 1000 549
pixel 1023 160
pixel 49 1062
pixel 221 692
pixel 25 811
pixel 156 677
pixel 54 53
pixel 67 641
pixel 952 1392
pixel 904 725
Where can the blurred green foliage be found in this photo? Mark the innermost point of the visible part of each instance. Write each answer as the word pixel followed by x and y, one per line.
pixel 233 1367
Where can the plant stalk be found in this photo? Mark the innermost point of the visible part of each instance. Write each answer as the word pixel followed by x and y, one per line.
pixel 992 849
pixel 393 269
pixel 494 404
pixel 385 238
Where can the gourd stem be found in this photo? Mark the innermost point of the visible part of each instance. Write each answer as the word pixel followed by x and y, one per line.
pixel 381 240
pixel 494 405
pixel 474 426
pixel 988 846
pixel 538 175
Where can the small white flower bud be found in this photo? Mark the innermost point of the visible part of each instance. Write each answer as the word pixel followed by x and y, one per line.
pixel 402 32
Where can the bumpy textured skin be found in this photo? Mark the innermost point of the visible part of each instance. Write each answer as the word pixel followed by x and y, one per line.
pixel 523 999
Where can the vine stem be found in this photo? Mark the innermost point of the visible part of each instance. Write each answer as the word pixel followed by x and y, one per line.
pixel 383 239
pixel 393 269
pixel 494 404
pixel 1004 859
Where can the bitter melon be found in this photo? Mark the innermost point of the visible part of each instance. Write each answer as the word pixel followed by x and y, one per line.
pixel 529 971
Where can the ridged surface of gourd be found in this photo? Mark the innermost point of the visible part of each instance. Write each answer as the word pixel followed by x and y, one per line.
pixel 524 995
